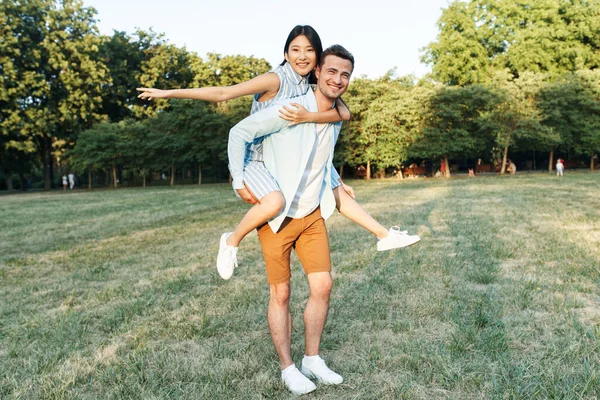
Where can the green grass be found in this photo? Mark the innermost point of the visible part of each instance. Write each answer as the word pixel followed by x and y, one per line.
pixel 114 295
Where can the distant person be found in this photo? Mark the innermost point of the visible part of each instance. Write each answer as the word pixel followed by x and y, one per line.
pixel 471 172
pixel 512 168
pixel 302 53
pixel 71 180
pixel 560 167
pixel 64 182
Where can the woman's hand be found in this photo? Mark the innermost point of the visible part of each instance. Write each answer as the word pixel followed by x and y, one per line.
pixel 348 189
pixel 294 113
pixel 247 196
pixel 151 93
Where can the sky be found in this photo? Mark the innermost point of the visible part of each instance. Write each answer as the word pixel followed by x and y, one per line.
pixel 382 35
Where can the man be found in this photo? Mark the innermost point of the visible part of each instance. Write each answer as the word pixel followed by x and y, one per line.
pixel 300 159
pixel 71 180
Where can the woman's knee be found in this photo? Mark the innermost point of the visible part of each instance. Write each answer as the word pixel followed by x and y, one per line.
pixel 273 203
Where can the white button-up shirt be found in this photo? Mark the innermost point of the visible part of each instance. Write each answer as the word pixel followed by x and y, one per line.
pixel 286 152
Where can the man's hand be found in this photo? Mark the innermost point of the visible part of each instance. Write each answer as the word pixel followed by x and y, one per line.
pixel 247 196
pixel 151 93
pixel 348 189
pixel 296 114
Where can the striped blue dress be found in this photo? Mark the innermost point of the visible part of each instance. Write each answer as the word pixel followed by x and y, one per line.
pixel 257 178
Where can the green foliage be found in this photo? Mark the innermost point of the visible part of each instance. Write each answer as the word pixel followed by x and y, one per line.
pixel 571 108
pixel 392 123
pixel 55 73
pixel 98 148
pixel 456 123
pixel 482 36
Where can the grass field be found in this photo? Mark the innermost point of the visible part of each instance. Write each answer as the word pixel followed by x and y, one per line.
pixel 114 295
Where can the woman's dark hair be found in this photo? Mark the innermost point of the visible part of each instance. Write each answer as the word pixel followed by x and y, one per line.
pixel 311 35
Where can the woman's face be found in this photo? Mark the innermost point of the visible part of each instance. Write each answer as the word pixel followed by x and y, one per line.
pixel 301 55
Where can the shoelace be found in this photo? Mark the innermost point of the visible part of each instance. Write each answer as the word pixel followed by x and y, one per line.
pixel 397 230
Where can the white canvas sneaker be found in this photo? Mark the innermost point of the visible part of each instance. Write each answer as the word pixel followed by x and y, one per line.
pixel 297 383
pixel 321 372
pixel 227 258
pixel 396 239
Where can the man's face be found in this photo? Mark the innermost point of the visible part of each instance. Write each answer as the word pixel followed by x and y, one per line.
pixel 333 76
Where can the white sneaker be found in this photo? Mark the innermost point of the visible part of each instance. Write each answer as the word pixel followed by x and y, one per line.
pixel 296 382
pixel 396 239
pixel 227 258
pixel 319 371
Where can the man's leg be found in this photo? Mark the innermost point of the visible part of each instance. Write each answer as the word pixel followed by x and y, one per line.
pixel 276 251
pixel 312 248
pixel 315 314
pixel 280 322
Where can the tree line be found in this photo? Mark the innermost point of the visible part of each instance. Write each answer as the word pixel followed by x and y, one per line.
pixel 505 77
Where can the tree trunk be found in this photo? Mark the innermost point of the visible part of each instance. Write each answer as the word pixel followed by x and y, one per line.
pixel 341 171
pixel 551 162
pixel 368 170
pixel 592 163
pixel 447 166
pixel 199 174
pixel 115 182
pixel 8 177
pixel 144 180
pixel 172 175
pixel 504 158
pixel 51 165
pixel 89 178
pixel 107 176
pixel 46 164
pixel 22 181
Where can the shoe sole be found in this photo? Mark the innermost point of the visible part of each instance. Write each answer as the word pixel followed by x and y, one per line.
pixel 310 375
pixel 302 393
pixel 399 247
pixel 221 242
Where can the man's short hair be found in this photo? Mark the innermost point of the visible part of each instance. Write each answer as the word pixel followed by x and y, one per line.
pixel 338 51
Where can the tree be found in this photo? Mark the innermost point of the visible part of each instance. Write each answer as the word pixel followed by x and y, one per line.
pixel 354 142
pixel 571 108
pixel 455 125
pixel 98 148
pixel 544 36
pixel 393 121
pixel 515 118
pixel 57 74
pixel 204 130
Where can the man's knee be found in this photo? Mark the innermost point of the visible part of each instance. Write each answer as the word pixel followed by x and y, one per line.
pixel 321 284
pixel 273 203
pixel 280 293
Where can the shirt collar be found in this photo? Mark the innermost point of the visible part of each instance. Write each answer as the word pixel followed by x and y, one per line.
pixel 291 74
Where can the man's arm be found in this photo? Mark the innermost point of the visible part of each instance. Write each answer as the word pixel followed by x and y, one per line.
pixel 257 125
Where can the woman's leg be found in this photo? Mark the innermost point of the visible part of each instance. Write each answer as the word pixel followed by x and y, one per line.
pixel 388 239
pixel 350 209
pixel 268 207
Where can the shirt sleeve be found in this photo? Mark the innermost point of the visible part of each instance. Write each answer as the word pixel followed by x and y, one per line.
pixel 335 177
pixel 259 124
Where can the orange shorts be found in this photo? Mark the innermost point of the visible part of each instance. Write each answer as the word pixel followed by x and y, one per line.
pixel 307 235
